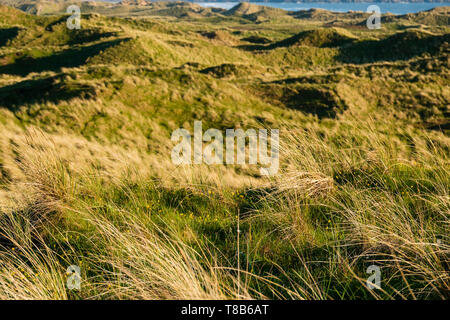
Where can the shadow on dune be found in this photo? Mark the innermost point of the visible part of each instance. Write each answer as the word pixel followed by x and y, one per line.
pixel 401 46
pixel 51 89
pixel 8 34
pixel 311 97
pixel 68 59
pixel 252 47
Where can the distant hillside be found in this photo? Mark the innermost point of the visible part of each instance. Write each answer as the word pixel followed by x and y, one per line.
pixel 126 8
pixel 255 12
pixel 435 16
pixel 246 11
pixel 45 6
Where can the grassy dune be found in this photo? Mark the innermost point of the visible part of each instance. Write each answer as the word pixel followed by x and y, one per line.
pixel 86 176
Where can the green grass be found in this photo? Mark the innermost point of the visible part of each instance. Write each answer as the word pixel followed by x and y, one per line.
pixel 86 177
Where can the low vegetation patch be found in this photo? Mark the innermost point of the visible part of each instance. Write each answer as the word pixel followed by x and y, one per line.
pixel 86 176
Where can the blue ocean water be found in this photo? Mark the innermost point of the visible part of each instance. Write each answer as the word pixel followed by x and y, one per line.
pixel 395 8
